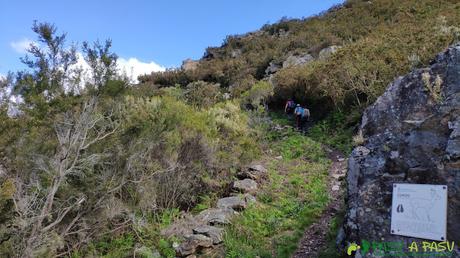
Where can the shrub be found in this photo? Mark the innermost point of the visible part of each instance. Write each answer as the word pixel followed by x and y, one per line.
pixel 202 94
pixel 258 96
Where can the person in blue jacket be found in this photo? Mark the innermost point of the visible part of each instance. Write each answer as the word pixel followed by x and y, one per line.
pixel 298 115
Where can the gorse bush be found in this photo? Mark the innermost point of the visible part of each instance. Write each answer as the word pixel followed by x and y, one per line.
pixel 258 95
pixel 202 94
pixel 88 171
pixel 97 166
pixel 380 40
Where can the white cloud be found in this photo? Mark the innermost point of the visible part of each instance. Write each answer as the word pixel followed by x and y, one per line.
pixel 132 67
pixel 21 46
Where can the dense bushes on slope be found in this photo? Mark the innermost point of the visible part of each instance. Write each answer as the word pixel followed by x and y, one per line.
pixel 159 154
pixel 77 165
pixel 381 39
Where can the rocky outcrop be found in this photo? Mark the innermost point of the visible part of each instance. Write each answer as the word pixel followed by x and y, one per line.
pixel 236 53
pixel 272 68
pixel 189 65
pixel 327 52
pixel 245 186
pixel 294 60
pixel 212 232
pixel 411 135
pixel 201 232
pixel 291 60
pixel 193 243
pixel 237 203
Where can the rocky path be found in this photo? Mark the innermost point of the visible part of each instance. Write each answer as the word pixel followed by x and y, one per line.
pixel 202 234
pixel 315 236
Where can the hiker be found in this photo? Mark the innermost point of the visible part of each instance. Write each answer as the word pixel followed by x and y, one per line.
pixel 305 117
pixel 298 115
pixel 289 107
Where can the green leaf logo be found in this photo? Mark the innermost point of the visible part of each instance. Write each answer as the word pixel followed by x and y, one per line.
pixel 365 246
pixel 352 247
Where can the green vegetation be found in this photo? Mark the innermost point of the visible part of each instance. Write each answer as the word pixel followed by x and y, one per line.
pixel 336 130
pixel 330 249
pixel 98 166
pixel 380 40
pixel 99 170
pixel 293 197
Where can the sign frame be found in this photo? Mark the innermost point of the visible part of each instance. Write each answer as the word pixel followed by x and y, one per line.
pixel 419 210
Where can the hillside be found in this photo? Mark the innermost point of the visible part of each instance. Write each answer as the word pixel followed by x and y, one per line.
pixel 202 160
pixel 379 40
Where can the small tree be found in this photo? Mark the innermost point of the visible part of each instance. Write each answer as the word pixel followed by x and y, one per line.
pixel 102 61
pixel 257 97
pixel 37 204
pixel 50 65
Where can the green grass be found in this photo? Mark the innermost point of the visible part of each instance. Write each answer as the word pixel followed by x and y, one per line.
pixel 336 130
pixel 292 199
pixel 331 248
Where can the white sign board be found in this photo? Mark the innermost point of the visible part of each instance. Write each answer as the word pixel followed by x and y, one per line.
pixel 419 211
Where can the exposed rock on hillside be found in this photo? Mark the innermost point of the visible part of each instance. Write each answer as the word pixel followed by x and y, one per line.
pixel 272 68
pixel 294 60
pixel 327 52
pixel 246 185
pixel 412 135
pixel 204 230
pixel 189 65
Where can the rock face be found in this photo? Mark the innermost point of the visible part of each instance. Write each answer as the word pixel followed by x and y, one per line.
pixel 193 243
pixel 189 65
pixel 254 172
pixel 233 202
pixel 272 68
pixel 216 234
pixel 297 60
pixel 245 186
pixel 327 52
pixel 412 135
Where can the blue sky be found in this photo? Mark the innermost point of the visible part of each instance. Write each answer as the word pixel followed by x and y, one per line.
pixel 163 32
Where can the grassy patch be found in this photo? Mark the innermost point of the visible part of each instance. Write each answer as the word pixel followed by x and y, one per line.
pixel 291 200
pixel 336 130
pixel 331 248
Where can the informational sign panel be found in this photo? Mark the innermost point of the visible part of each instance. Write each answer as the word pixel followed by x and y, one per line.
pixel 419 210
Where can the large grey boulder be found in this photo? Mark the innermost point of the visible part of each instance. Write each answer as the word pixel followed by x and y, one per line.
pixel 327 52
pixel 254 172
pixel 192 244
pixel 233 202
pixel 215 216
pixel 189 65
pixel 411 135
pixel 245 186
pixel 272 68
pixel 215 233
pixel 295 60
pixel 258 168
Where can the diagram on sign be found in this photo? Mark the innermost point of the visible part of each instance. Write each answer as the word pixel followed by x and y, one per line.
pixel 419 211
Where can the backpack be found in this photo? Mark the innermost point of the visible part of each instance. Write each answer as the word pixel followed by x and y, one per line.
pixel 291 104
pixel 299 111
pixel 306 112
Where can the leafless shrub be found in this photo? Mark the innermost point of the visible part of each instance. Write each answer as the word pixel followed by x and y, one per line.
pixel 39 206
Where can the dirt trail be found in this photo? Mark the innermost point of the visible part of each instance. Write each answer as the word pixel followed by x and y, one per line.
pixel 315 236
